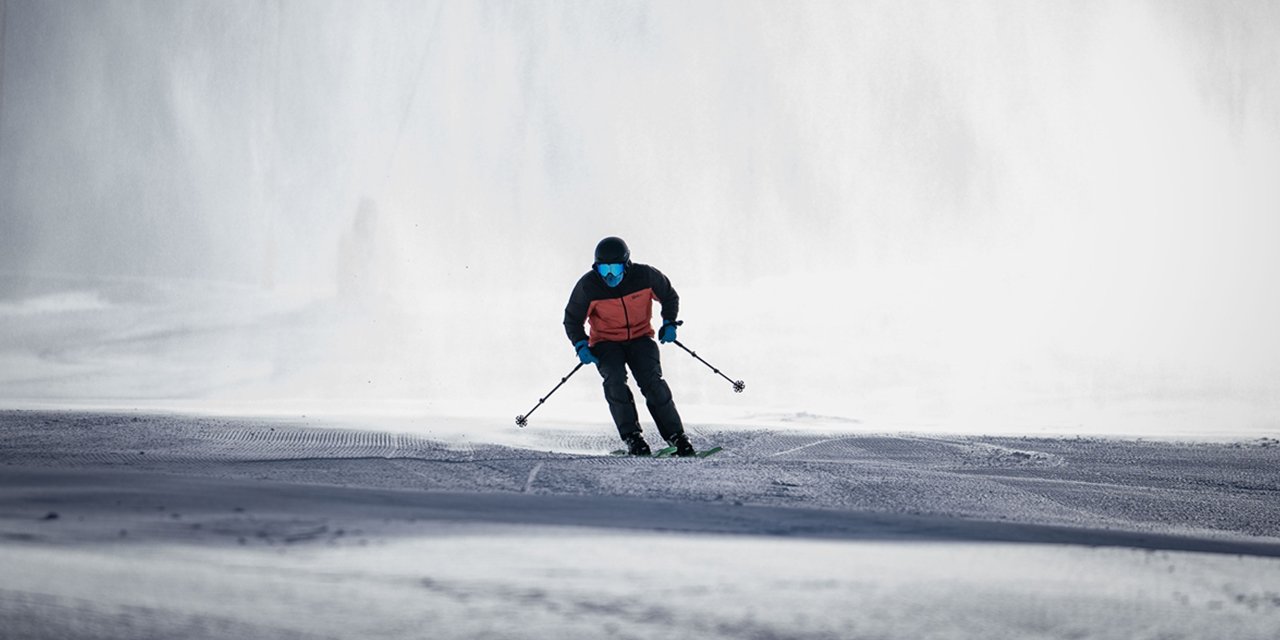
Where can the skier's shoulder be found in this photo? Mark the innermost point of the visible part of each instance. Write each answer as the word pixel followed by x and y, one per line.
pixel 646 270
pixel 652 277
pixel 581 293
pixel 591 287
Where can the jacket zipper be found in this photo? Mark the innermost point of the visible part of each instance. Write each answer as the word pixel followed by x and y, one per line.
pixel 625 315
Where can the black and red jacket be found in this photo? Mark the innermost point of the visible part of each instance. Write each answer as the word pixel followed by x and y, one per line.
pixel 620 313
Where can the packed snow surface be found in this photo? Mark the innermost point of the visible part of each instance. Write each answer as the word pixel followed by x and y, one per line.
pixel 158 526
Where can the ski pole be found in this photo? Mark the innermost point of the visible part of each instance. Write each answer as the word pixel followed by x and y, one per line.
pixel 738 385
pixel 523 420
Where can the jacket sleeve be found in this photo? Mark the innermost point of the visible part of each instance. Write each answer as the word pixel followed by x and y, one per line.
pixel 666 294
pixel 575 314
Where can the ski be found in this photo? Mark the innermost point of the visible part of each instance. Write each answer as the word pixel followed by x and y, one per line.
pixel 668 452
pixel 660 453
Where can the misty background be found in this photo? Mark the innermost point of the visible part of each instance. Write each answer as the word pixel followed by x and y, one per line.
pixel 975 215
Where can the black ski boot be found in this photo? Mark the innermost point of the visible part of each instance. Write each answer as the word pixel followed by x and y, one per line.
pixel 636 445
pixel 683 448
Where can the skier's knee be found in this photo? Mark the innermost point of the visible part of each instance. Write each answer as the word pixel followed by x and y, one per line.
pixel 656 392
pixel 617 392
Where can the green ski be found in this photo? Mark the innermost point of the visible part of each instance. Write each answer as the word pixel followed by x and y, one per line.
pixel 668 452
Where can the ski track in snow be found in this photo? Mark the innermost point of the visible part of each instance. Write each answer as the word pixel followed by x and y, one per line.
pixel 97 496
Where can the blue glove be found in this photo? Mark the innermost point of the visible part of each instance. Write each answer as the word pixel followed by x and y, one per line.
pixel 584 353
pixel 668 332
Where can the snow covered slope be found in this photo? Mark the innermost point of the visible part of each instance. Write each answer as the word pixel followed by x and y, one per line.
pixel 146 525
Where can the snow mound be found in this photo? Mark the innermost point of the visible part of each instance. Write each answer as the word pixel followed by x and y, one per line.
pixel 980 454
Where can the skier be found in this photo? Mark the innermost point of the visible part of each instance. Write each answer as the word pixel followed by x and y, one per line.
pixel 616 298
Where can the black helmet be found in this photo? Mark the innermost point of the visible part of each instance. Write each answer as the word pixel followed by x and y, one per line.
pixel 613 250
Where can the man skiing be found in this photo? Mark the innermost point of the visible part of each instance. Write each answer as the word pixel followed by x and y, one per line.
pixel 616 299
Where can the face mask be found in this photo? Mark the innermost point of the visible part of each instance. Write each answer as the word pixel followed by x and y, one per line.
pixel 612 273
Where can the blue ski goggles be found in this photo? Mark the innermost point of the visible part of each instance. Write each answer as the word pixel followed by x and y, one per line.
pixel 607 270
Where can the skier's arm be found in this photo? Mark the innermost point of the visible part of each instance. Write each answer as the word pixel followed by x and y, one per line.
pixel 666 294
pixel 575 314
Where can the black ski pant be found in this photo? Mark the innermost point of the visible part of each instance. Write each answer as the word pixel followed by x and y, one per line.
pixel 642 357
